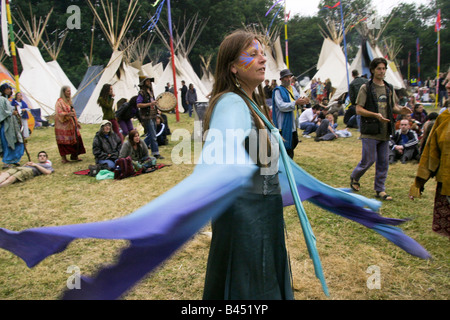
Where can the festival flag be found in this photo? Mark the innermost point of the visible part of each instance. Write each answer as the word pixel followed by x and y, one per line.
pixel 359 21
pixel 4 23
pixel 273 6
pixel 437 26
pixel 335 6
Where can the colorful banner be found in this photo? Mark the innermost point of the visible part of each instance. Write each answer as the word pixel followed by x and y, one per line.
pixel 335 6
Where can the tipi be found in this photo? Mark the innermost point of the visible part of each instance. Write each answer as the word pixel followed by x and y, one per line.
pixel 184 70
pixel 53 49
pixel 332 63
pixel 369 50
pixel 37 81
pixel 123 77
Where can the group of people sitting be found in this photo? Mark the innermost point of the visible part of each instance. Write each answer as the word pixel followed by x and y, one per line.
pixel 107 148
pixel 411 134
pixel 116 131
pixel 116 138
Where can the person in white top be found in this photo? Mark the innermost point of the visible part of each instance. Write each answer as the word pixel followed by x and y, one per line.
pixel 309 120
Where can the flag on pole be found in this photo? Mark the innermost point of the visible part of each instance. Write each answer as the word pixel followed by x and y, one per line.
pixel 437 26
pixel 4 23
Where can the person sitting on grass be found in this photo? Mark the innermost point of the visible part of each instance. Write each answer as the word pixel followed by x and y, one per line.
pixel 28 171
pixel 136 148
pixel 404 145
pixel 327 129
pixel 106 145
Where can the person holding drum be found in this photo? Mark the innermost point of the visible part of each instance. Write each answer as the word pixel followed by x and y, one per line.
pixel 147 104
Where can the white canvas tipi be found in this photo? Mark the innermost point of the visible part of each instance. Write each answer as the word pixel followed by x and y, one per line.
pixel 37 81
pixel 123 77
pixel 183 68
pixel 53 50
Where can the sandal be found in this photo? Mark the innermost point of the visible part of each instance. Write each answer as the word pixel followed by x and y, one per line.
pixel 354 184
pixel 383 195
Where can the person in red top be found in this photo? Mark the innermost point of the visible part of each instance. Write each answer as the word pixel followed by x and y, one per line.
pixel 67 128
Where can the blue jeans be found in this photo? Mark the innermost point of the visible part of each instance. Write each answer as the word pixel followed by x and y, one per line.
pixel 442 94
pixel 111 164
pixel 373 151
pixel 309 127
pixel 150 140
pixel 190 106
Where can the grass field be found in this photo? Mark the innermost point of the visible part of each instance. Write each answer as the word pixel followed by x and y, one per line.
pixel 348 250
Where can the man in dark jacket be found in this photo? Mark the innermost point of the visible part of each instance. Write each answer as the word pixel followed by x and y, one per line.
pixel 355 85
pixel 404 145
pixel 106 145
pixel 184 90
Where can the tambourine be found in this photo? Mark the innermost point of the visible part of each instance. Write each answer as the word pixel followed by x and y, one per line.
pixel 166 101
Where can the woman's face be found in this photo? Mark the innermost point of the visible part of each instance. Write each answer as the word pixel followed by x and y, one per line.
pixel 106 128
pixel 136 138
pixel 251 66
pixel 111 92
pixel 19 97
pixel 68 93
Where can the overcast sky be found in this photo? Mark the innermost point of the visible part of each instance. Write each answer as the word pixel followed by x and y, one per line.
pixel 309 7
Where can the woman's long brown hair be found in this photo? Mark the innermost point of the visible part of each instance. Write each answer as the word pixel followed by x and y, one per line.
pixel 225 81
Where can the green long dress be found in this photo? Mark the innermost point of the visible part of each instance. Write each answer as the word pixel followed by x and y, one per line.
pixel 248 258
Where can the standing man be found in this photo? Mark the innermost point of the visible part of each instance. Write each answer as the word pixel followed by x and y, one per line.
pixel 147 108
pixel 285 99
pixel 354 87
pixel 184 90
pixel 376 104
pixel 268 92
pixel 191 98
pixel 11 141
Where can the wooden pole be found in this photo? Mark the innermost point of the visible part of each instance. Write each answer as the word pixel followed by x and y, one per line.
pixel 177 114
